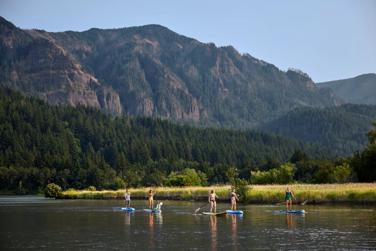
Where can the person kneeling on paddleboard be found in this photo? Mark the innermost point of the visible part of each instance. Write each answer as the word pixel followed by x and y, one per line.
pixel 289 195
pixel 127 197
pixel 213 203
pixel 234 199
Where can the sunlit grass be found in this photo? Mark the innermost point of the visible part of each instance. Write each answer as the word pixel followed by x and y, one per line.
pixel 314 193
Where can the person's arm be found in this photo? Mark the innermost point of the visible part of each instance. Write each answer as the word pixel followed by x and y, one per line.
pixel 236 197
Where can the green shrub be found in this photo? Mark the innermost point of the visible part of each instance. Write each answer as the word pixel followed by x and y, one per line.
pixel 282 175
pixel 52 191
pixel 333 174
pixel 242 190
pixel 188 177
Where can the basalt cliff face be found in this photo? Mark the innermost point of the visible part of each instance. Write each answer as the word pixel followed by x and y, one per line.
pixel 36 65
pixel 153 71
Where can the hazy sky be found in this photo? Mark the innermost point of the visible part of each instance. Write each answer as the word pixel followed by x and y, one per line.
pixel 328 39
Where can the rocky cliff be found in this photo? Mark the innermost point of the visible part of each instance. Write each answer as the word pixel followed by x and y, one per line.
pixel 153 71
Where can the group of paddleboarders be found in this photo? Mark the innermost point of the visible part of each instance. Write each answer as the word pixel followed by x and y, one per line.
pixel 289 195
pixel 213 197
pixel 127 197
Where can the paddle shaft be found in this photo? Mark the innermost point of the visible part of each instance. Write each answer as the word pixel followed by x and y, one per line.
pixel 203 206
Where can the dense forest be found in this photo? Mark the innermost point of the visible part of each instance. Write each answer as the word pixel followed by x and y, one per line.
pixel 77 147
pixel 81 147
pixel 343 129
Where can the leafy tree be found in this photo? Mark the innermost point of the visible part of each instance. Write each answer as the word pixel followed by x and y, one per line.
pixel 282 175
pixel 52 190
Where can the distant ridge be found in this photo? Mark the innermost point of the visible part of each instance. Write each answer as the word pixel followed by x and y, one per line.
pixel 357 90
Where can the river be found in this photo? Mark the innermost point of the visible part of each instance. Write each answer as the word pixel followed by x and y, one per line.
pixel 36 223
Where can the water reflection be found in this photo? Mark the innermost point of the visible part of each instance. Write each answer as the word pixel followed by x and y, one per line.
pixel 51 224
pixel 213 232
pixel 127 218
pixel 153 219
pixel 290 221
pixel 234 231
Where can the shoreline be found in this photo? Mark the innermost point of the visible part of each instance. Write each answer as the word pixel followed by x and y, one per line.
pixel 313 194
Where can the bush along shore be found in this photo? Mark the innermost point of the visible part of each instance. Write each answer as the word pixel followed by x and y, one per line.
pixel 353 193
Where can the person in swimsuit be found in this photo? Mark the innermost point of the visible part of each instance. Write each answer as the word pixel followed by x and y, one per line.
pixel 234 199
pixel 213 203
pixel 151 198
pixel 289 195
pixel 127 197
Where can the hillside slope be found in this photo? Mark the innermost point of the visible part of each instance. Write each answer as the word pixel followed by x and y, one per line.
pixel 343 129
pixel 358 90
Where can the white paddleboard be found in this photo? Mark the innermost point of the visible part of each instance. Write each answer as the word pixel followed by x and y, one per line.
pixel 214 214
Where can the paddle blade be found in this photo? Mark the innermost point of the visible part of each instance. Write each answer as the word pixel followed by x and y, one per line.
pixel 304 202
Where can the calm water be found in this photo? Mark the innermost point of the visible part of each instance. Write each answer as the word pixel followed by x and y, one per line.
pixel 38 223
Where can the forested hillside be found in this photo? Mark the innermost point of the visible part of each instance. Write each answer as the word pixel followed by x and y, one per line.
pixel 343 129
pixel 78 147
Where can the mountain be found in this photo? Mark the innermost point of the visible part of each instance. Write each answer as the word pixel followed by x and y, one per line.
pixel 78 147
pixel 36 65
pixel 342 129
pixel 155 72
pixel 358 90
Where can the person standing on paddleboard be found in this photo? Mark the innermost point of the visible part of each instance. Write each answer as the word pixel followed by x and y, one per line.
pixel 127 197
pixel 151 198
pixel 234 199
pixel 289 195
pixel 213 203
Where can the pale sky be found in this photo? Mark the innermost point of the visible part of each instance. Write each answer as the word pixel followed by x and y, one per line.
pixel 328 39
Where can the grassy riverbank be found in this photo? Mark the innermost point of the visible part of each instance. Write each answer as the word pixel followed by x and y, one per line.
pixel 356 193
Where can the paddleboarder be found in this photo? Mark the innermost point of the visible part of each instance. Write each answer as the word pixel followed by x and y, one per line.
pixel 151 198
pixel 289 195
pixel 234 199
pixel 127 197
pixel 213 203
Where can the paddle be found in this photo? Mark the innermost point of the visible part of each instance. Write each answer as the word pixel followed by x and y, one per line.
pixel 203 206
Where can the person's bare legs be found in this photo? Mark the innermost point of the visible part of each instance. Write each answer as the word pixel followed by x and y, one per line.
pixel 233 206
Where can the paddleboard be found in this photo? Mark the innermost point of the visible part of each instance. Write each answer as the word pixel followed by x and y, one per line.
pixel 127 209
pixel 290 211
pixel 147 210
pixel 234 212
pixel 215 214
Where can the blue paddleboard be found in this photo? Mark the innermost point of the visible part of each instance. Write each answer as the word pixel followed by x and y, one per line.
pixel 127 209
pixel 234 212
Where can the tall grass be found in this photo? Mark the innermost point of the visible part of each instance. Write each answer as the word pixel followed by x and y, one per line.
pixel 313 193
